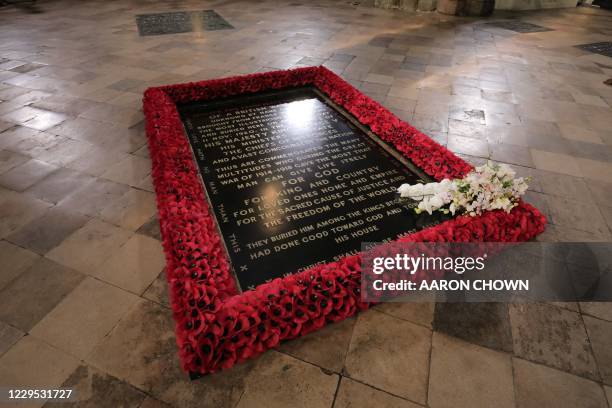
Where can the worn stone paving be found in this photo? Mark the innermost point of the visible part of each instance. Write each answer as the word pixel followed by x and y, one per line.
pixel 83 301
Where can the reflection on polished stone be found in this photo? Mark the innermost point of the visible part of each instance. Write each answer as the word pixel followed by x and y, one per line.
pixel 295 183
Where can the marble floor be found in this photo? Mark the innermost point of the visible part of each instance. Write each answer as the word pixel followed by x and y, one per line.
pixel 83 302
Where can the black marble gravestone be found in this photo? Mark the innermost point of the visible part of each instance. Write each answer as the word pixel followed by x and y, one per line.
pixel 295 181
pixel 519 26
pixel 176 22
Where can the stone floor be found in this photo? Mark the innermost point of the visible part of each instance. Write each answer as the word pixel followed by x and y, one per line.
pixel 82 295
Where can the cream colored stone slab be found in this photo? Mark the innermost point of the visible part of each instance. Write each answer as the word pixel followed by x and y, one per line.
pixel 64 152
pixel 600 333
pixel 17 210
pixel 92 197
pixel 390 354
pixel 31 363
pixel 280 381
pixel 132 170
pixel 601 310
pixel 421 313
pixel 90 246
pixel 114 114
pixel 353 394
pixel 595 170
pixel 21 177
pixel 102 306
pixel 93 388
pixel 134 266
pixel 9 160
pixel 538 386
pixel 8 336
pixel 569 213
pixel 326 347
pixel 132 210
pixel 467 375
pixel 580 133
pixel 96 161
pixel 14 261
pixel 553 336
pixel 555 162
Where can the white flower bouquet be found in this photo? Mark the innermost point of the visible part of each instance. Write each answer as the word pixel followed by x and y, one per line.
pixel 487 187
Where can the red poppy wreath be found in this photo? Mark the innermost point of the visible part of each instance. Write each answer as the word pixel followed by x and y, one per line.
pixel 216 325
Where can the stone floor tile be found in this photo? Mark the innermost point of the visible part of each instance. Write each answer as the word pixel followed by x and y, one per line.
pixel 58 185
pixel 279 381
pixel 90 246
pixel 131 170
pixel 466 129
pixel 600 333
pixel 325 348
pixel 552 336
pixel 67 105
pixel 133 266
pixel 64 152
pixel 5 125
pixel 48 231
pixel 131 210
pixel 78 333
pixel 538 386
pixel 141 349
pixel 17 210
pixel 25 175
pixel 45 120
pixel 507 135
pixel 466 145
pixel 511 154
pixel 150 402
pixel 601 191
pixel 399 367
pixel 466 375
pixel 31 362
pixel 91 198
pixel 10 160
pixel 565 234
pixel 21 115
pixel 151 228
pixel 557 163
pixel 96 161
pixel 352 394
pixel 95 389
pixel 158 290
pixel 29 297
pixel 402 104
pixel 427 123
pixel 15 134
pixel 579 133
pixel 15 260
pixel 31 144
pixel 571 187
pixel 467 115
pixel 580 215
pixel 601 310
pixel 595 170
pixel 485 324
pixel 273 379
pixel 114 114
pixel 421 313
pixel 8 336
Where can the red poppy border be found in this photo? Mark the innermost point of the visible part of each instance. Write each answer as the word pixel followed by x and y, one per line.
pixel 215 326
